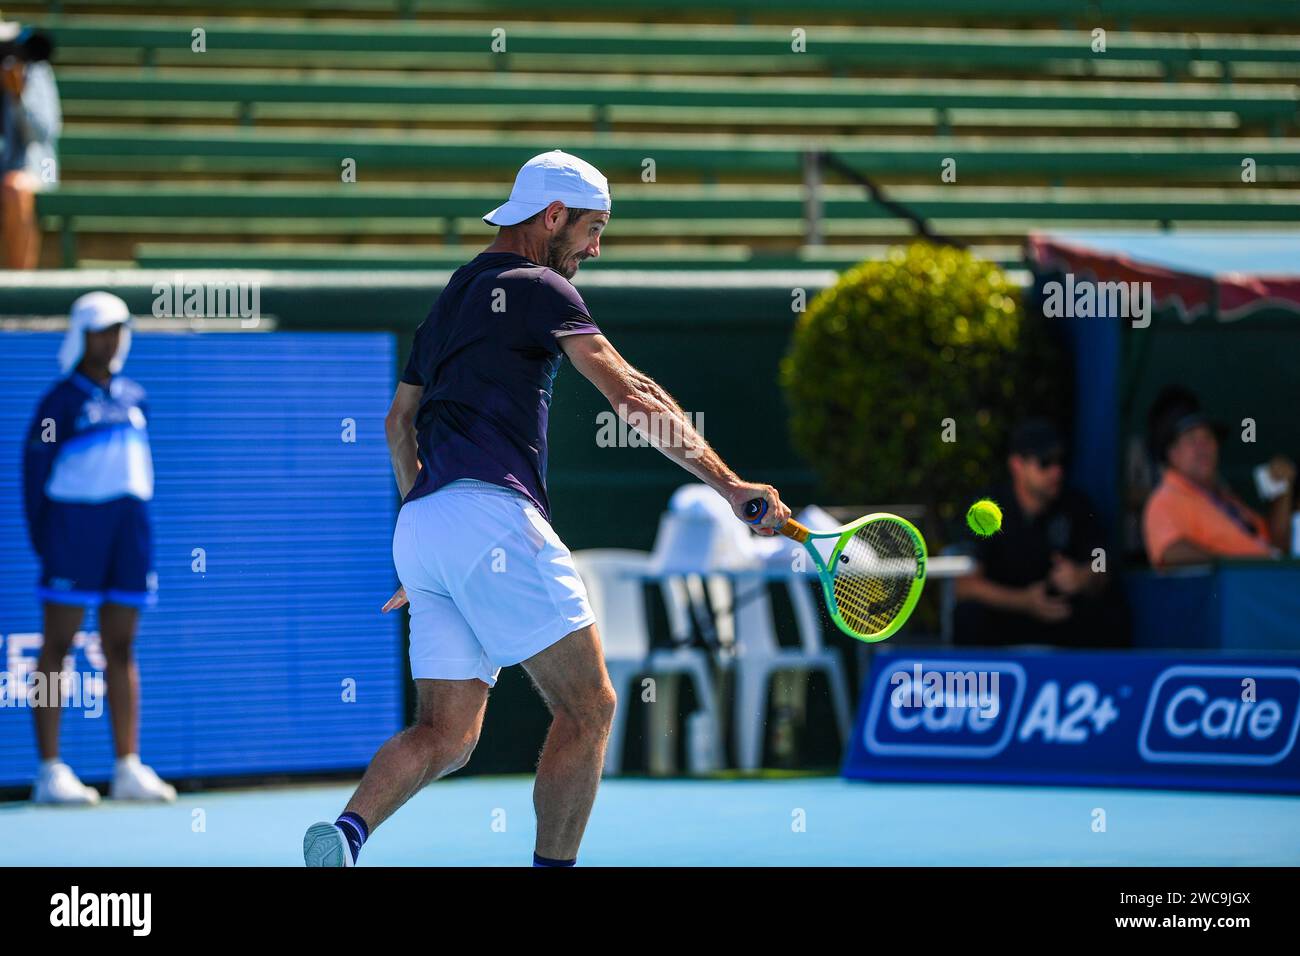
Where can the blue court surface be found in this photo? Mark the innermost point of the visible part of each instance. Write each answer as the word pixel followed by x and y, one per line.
pixel 488 821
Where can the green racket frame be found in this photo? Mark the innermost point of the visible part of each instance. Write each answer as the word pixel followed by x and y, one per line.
pixel 827 577
pixel 754 511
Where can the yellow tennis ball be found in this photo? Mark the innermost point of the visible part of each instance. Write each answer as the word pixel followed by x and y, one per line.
pixel 984 517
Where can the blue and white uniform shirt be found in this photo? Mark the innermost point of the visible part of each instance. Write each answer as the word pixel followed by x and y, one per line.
pixel 100 447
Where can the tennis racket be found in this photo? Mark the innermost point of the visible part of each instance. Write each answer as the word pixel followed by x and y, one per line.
pixel 872 569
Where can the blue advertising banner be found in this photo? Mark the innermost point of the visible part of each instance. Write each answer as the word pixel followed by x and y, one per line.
pixel 272 521
pixel 1097 719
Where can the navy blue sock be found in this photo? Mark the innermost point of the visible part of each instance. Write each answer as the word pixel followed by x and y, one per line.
pixel 356 832
pixel 547 861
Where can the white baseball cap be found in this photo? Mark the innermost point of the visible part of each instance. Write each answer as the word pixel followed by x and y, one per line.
pixel 548 177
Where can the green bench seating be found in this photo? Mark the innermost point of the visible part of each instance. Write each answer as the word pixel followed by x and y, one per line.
pixel 726 212
pixel 935 49
pixel 1273 104
pixel 276 97
pixel 616 256
pixel 1166 13
pixel 598 65
pixel 564 119
pixel 676 157
pixel 1171 14
pixel 738 204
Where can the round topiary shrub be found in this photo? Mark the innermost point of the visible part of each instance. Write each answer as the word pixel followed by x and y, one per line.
pixel 883 358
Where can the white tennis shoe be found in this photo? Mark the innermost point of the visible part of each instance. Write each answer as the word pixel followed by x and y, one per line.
pixel 325 845
pixel 57 784
pixel 132 780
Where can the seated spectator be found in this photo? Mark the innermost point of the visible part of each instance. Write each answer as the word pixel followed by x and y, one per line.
pixel 31 118
pixel 1034 581
pixel 1192 517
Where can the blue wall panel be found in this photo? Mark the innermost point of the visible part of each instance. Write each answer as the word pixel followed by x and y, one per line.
pixel 243 665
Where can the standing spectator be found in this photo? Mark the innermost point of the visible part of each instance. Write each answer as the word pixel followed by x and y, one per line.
pixel 1034 581
pixel 88 478
pixel 1193 517
pixel 32 121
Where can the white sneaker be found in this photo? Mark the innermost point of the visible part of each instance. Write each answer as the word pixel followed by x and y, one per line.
pixel 325 845
pixel 56 783
pixel 132 780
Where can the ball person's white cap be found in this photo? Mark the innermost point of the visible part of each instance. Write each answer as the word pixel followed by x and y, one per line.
pixel 94 312
pixel 548 177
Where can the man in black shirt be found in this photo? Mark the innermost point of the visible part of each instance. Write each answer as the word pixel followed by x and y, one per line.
pixel 1034 581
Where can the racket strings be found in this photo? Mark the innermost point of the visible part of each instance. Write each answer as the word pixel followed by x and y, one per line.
pixel 873 576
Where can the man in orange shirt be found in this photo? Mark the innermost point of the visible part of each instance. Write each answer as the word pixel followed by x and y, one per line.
pixel 1193 517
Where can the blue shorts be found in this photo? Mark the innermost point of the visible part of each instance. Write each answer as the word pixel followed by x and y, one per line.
pixel 98 553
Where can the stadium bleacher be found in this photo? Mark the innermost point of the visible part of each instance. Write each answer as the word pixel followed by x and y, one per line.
pixel 1143 201
pixel 236 151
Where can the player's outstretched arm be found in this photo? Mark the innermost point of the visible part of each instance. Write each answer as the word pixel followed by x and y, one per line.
pixel 647 407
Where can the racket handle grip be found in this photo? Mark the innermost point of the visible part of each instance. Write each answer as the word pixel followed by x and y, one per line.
pixel 756 508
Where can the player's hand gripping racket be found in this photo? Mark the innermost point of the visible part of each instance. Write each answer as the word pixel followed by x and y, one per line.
pixel 872 569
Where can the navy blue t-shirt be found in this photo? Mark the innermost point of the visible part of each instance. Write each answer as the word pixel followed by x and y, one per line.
pixel 487 356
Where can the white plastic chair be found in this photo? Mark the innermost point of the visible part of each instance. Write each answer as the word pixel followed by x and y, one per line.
pixel 759 656
pixel 614 579
pixel 712 552
pixel 690 547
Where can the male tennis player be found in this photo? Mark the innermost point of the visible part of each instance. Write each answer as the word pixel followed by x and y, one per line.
pixel 489 582
pixel 88 478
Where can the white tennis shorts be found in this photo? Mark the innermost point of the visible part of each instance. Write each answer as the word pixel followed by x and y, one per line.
pixel 489 581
